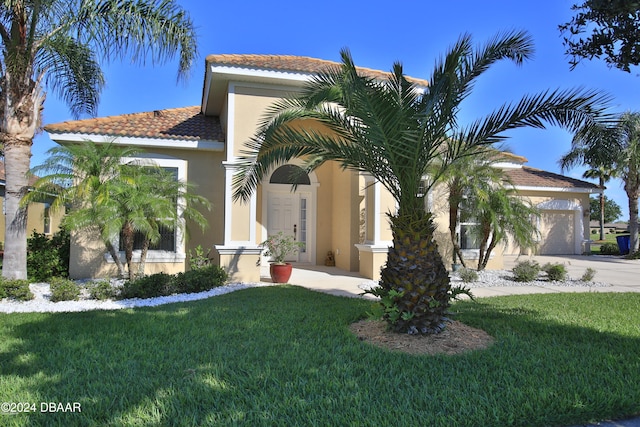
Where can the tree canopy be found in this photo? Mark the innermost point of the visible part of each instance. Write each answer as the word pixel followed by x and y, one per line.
pixel 60 47
pixel 612 210
pixel 398 132
pixel 604 29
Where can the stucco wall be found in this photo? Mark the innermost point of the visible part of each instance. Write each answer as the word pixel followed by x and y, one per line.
pixel 204 169
pixel 35 219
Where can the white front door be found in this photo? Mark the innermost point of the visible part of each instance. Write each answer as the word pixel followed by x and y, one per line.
pixel 287 213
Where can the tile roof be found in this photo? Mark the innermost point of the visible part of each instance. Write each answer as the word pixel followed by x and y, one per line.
pixel 531 177
pixel 185 123
pixel 301 64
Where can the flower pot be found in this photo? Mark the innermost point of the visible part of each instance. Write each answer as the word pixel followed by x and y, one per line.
pixel 280 273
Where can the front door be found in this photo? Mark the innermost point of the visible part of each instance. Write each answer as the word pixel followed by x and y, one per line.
pixel 287 213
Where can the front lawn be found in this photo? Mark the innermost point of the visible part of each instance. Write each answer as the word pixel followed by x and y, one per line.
pixel 284 356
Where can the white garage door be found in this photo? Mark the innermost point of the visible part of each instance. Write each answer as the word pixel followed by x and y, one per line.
pixel 557 233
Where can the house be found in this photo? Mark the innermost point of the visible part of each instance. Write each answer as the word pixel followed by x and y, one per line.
pixel 332 210
pixel 40 218
pixel 609 228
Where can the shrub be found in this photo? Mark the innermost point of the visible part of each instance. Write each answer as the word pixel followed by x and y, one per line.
pixel 155 285
pixel 102 290
pixel 15 289
pixel 468 275
pixel 609 249
pixel 555 272
pixel 588 275
pixel 198 259
pixel 200 280
pixel 48 257
pixel 526 271
pixel 63 289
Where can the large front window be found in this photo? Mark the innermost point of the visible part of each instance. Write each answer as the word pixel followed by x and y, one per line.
pixel 167 241
pixel 170 247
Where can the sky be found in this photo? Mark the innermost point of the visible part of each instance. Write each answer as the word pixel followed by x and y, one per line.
pixel 415 33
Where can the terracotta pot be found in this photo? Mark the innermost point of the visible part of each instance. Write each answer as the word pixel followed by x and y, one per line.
pixel 280 273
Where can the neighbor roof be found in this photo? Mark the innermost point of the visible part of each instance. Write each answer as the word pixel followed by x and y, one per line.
pixel 186 123
pixel 301 64
pixel 531 177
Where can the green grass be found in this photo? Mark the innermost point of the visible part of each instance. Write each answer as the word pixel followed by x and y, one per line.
pixel 608 238
pixel 284 356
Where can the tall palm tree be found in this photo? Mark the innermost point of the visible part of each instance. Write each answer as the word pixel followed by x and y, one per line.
pixel 115 195
pixel 599 156
pixel 603 174
pixel 57 45
pixel 397 132
pixel 620 143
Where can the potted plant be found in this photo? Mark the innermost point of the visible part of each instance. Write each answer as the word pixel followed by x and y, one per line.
pixel 278 247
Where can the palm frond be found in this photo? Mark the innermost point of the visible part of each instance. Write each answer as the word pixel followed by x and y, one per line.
pixel 73 72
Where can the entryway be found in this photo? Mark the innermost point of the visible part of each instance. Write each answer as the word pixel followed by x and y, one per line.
pixel 292 212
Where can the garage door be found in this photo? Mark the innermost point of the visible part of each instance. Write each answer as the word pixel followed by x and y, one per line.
pixel 557 234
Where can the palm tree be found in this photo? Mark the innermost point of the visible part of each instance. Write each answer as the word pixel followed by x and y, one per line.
pixel 599 157
pixel 149 199
pixel 603 174
pixel 620 143
pixel 116 197
pixel 82 178
pixel 464 178
pixel 503 215
pixel 57 45
pixel 397 132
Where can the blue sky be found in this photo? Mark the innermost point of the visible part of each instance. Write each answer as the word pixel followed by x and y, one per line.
pixel 415 33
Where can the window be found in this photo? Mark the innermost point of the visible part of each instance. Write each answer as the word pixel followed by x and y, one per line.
pixel 171 247
pixel 167 241
pixel 290 174
pixel 468 225
pixel 47 219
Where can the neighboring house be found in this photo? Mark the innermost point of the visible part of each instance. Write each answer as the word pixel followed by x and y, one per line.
pixel 609 228
pixel 39 217
pixel 332 210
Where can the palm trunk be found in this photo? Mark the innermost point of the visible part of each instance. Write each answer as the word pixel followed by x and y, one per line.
pixel 415 270
pixel 486 233
pixel 116 259
pixel 455 198
pixel 143 257
pixel 16 154
pixel 127 237
pixel 20 105
pixel 633 220
pixel 487 254
pixel 601 207
pixel 632 188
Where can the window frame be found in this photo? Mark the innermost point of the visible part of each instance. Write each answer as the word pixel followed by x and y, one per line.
pixel 155 255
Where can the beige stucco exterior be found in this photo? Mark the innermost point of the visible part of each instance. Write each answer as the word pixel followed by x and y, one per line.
pixel 345 212
pixel 89 257
pixel 35 220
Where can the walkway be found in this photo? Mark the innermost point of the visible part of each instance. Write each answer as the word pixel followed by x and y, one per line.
pixel 623 275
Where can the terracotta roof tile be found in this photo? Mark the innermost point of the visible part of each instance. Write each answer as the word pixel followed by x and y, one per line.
pixel 301 64
pixel 177 123
pixel 532 177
